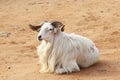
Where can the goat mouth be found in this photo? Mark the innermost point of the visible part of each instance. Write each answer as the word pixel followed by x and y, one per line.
pixel 40 39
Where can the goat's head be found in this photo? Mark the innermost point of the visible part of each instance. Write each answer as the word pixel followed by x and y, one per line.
pixel 48 30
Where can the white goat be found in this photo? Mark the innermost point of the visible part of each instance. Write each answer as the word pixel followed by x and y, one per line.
pixel 60 52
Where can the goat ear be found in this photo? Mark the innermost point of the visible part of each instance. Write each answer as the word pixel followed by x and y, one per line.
pixel 35 28
pixel 58 25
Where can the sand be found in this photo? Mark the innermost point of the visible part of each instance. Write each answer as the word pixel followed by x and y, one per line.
pixel 98 20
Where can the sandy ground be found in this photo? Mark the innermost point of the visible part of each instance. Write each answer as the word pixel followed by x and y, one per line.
pixel 98 20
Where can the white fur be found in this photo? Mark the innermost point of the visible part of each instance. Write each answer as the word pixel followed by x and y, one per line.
pixel 62 52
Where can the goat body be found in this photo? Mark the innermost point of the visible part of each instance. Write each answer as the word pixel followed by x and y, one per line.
pixel 66 53
pixel 60 52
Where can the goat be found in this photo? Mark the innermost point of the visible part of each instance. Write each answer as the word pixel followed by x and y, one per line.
pixel 60 52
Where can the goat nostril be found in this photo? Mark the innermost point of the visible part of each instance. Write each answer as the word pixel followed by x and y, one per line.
pixel 40 38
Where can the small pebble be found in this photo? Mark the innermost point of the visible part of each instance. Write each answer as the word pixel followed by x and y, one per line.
pixel 9 67
pixel 4 34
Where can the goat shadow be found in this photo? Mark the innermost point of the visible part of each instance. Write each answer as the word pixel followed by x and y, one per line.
pixel 101 68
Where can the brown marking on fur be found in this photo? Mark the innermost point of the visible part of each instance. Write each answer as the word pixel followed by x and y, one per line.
pixel 62 29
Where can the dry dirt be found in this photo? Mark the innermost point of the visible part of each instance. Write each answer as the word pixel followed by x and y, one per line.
pixel 98 20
